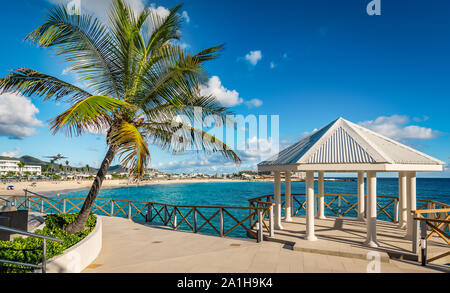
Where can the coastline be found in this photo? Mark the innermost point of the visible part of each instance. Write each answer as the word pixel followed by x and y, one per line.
pixel 61 187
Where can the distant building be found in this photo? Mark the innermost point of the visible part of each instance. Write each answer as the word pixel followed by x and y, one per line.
pixel 11 166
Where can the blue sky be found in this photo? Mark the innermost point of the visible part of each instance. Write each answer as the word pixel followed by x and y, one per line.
pixel 307 61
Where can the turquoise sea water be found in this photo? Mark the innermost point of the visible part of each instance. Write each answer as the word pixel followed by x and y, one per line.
pixel 238 193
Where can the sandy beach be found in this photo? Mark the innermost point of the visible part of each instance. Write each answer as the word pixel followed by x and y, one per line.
pixel 54 187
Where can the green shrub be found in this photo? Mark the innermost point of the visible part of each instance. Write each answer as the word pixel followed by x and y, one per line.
pixel 29 250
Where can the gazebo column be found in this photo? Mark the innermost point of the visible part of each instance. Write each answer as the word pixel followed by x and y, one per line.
pixel 411 203
pixel 277 193
pixel 288 196
pixel 372 209
pixel 310 206
pixel 361 203
pixel 403 202
pixel 321 196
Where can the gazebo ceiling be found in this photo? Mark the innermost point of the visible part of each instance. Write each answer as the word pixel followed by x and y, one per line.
pixel 345 146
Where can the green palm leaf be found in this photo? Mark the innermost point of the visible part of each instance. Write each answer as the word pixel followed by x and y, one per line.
pixel 132 147
pixel 29 82
pixel 91 114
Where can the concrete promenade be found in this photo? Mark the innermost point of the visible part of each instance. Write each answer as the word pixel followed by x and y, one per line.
pixel 130 247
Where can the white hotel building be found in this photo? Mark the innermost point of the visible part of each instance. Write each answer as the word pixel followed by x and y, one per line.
pixel 11 166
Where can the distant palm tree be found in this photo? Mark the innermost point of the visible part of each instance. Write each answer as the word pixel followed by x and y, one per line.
pixel 87 168
pixel 137 80
pixel 67 165
pixel 21 165
pixel 52 167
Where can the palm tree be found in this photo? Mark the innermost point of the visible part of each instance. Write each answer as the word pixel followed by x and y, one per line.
pixel 137 81
pixel 87 168
pixel 51 161
pixel 67 166
pixel 21 165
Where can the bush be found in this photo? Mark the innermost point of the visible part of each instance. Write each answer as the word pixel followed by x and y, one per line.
pixel 29 250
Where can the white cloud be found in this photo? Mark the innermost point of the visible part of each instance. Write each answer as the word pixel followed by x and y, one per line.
pixel 225 97
pixel 259 149
pixel 162 11
pixel 184 45
pixel 256 151
pixel 396 128
pixel 17 116
pixel 254 103
pixel 66 70
pixel 185 15
pixel 253 57
pixel 11 154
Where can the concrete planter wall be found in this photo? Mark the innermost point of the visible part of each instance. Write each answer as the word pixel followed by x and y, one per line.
pixel 78 257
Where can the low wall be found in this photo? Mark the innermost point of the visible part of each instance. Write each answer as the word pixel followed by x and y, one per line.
pixel 76 258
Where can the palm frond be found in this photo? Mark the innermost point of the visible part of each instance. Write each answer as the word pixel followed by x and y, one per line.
pixel 181 137
pixel 132 147
pixel 29 82
pixel 210 53
pixel 91 114
pixel 162 30
pixel 85 43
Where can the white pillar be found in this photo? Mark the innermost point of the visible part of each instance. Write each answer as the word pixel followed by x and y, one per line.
pixel 277 193
pixel 411 198
pixel 371 240
pixel 321 196
pixel 288 197
pixel 310 206
pixel 361 204
pixel 403 202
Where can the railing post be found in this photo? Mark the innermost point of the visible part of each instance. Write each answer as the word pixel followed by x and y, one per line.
pixel 112 208
pixel 15 201
pixel 252 217
pixel 271 222
pixel 415 236
pixel 222 224
pixel 174 212
pixel 165 215
pixel 129 209
pixel 150 213
pixel 194 220
pixel 260 236
pixel 430 207
pixel 64 206
pixel 365 206
pixel 27 201
pixel 44 256
pixel 396 210
pixel 339 206
pixel 42 205
pixel 423 242
pixel 292 206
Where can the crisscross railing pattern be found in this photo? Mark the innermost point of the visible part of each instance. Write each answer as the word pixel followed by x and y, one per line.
pixel 340 205
pixel 437 220
pixel 217 220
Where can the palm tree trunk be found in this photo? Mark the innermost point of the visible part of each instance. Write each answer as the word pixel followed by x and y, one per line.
pixel 80 222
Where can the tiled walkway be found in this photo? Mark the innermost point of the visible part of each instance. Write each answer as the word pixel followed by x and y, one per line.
pixel 130 247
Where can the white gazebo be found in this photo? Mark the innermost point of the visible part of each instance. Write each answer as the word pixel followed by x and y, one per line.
pixel 343 146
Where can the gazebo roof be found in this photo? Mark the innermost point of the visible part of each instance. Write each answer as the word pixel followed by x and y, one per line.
pixel 345 146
